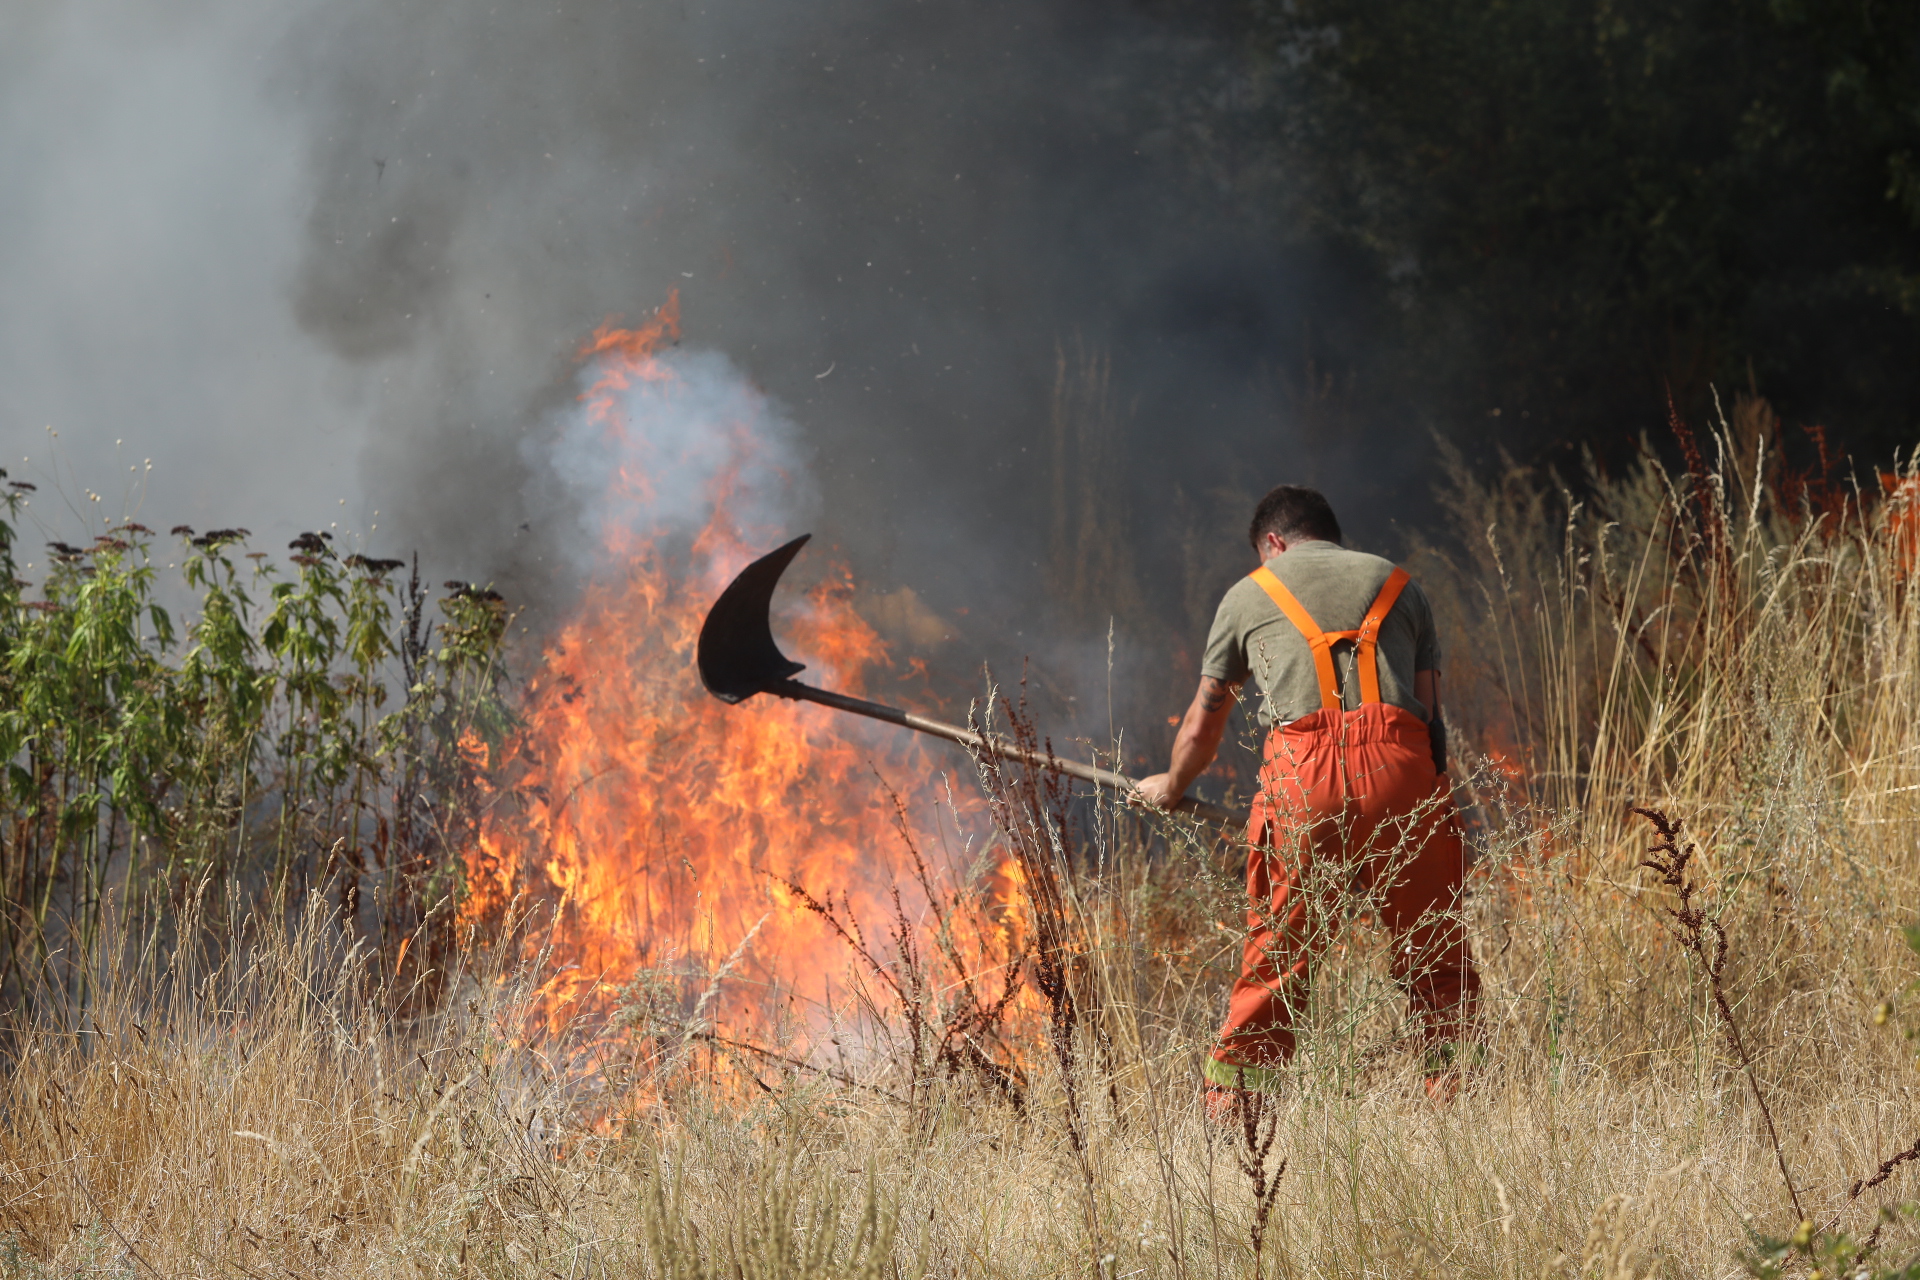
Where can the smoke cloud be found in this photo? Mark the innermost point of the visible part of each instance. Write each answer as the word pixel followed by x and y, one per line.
pixel 149 224
pixel 647 459
pixel 300 252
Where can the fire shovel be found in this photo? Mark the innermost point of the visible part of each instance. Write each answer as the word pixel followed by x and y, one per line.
pixel 738 658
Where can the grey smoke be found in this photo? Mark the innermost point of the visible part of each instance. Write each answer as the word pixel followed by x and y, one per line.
pixel 307 251
pixel 645 459
pixel 150 221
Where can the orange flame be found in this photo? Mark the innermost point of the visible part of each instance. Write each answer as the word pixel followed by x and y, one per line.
pixel 654 818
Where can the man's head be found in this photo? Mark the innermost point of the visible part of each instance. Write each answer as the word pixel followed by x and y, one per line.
pixel 1292 513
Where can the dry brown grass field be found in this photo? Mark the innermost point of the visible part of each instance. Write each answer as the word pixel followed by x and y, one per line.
pixel 1724 643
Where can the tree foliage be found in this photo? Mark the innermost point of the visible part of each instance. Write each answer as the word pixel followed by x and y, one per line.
pixel 1567 206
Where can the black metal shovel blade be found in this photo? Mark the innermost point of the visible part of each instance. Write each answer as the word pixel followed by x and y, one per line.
pixel 737 655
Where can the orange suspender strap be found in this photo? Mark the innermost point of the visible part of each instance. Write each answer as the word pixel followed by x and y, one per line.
pixel 1320 641
pixel 1368 644
pixel 1366 638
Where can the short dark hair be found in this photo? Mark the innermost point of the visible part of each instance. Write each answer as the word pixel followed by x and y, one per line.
pixel 1296 513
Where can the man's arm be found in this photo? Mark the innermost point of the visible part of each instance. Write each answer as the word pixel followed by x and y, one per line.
pixel 1194 746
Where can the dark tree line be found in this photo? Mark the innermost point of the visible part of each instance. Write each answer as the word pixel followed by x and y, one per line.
pixel 1562 208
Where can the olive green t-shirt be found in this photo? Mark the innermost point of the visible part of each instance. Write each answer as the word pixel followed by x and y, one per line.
pixel 1336 586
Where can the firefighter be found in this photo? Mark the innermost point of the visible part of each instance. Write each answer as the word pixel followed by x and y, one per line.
pixel 1353 792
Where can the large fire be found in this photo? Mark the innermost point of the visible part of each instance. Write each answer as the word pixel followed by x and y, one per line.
pixel 655 822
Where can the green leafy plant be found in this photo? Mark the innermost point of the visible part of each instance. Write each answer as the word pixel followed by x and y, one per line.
pixel 145 760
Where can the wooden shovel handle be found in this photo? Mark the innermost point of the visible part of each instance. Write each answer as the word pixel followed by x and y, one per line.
pixel 995 746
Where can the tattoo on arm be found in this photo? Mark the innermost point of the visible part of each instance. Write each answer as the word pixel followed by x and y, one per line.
pixel 1214 694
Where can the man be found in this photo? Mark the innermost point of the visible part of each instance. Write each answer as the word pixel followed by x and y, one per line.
pixel 1353 788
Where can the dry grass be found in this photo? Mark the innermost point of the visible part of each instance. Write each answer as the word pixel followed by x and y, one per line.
pixel 1687 642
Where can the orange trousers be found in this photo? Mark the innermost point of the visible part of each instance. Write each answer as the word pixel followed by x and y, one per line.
pixel 1349 800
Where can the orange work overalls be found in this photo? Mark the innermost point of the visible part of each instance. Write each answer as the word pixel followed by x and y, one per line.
pixel 1354 794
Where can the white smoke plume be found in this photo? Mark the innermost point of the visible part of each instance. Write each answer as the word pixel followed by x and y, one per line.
pixel 651 458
